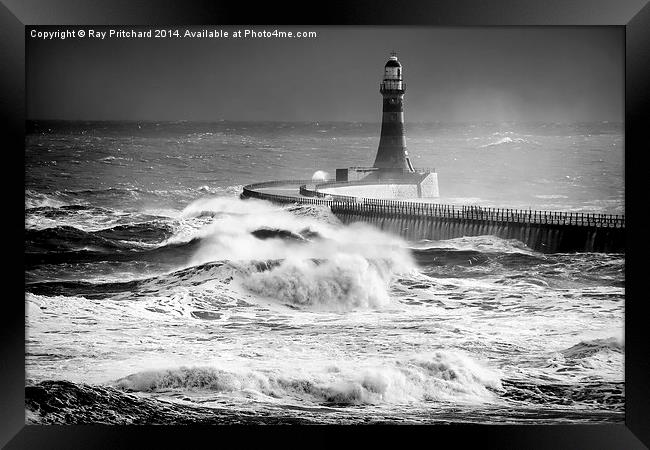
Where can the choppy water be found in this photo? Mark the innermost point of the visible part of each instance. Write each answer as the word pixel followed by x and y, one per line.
pixel 155 295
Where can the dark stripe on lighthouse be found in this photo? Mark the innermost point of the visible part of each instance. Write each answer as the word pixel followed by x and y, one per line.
pixel 397 105
pixel 392 144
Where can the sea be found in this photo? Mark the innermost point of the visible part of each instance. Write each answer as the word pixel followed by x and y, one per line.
pixel 154 294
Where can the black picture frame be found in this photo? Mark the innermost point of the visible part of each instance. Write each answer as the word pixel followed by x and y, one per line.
pixel 633 15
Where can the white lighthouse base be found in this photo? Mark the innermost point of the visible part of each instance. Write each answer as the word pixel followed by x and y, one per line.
pixel 428 186
pixel 384 186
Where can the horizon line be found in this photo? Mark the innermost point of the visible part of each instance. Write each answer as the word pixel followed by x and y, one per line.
pixel 378 122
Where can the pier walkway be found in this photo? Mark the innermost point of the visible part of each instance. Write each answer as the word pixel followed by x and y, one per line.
pixel 547 231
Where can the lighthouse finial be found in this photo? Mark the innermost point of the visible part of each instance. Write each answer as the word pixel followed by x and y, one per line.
pixel 393 53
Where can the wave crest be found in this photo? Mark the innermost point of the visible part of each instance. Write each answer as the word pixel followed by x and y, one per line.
pixel 344 281
pixel 321 263
pixel 509 141
pixel 441 376
pixel 589 348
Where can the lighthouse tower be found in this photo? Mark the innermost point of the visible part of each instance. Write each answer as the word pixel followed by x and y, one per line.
pixel 392 175
pixel 392 155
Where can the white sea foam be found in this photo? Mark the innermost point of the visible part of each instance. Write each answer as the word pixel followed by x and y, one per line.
pixel 590 359
pixel 550 196
pixel 508 140
pixel 35 199
pixel 439 376
pixel 219 190
pixel 484 244
pixel 588 348
pixel 338 266
pixel 342 281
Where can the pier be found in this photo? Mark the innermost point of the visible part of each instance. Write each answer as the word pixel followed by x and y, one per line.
pixel 544 231
pixel 393 176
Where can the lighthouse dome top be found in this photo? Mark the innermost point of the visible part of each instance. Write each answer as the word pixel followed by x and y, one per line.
pixel 393 62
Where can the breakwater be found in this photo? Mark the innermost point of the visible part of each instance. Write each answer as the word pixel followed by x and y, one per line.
pixel 546 231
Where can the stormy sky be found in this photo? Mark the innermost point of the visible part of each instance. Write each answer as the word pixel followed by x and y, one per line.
pixel 551 74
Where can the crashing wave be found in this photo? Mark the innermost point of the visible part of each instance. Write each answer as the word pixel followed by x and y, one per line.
pixel 342 282
pixel 441 376
pixel 589 348
pixel 321 263
pixel 600 359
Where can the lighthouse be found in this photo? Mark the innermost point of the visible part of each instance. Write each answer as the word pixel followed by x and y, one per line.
pixel 392 175
pixel 392 155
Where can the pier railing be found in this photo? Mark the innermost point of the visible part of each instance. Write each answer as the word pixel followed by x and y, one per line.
pixel 419 170
pixel 362 205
